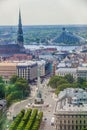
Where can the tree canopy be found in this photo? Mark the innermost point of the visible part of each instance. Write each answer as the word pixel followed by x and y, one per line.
pixel 18 89
pixel 59 83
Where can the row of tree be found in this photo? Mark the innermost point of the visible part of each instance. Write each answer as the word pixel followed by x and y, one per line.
pixel 60 83
pixel 29 120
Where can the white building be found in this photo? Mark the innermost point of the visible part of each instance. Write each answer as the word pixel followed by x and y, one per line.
pixel 82 72
pixel 41 65
pixel 71 109
pixel 64 71
pixel 27 70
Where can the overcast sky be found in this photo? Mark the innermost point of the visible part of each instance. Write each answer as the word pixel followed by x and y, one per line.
pixel 43 12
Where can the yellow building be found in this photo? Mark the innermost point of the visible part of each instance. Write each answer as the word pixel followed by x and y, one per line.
pixel 7 70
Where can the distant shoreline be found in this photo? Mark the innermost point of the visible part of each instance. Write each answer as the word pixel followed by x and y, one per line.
pixel 64 48
pixel 53 45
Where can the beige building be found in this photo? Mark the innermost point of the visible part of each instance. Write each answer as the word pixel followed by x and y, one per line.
pixel 7 70
pixel 71 110
pixel 70 120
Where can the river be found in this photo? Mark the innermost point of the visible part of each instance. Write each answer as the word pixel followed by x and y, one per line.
pixel 63 48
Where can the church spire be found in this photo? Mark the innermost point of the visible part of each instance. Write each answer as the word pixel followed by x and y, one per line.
pixel 20 38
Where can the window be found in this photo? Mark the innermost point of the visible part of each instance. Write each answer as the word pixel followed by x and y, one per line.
pixel 84 121
pixel 80 116
pixel 64 116
pixel 80 127
pixel 68 121
pixel 72 127
pixel 64 121
pixel 60 127
pixel 76 121
pixel 76 127
pixel 64 127
pixel 80 121
pixel 60 122
pixel 84 116
pixel 68 127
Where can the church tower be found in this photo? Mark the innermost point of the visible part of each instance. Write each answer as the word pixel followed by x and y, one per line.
pixel 20 38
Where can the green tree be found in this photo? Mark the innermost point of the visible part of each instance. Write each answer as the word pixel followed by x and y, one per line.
pixel 84 85
pixel 2 90
pixel 62 81
pixel 53 82
pixel 9 89
pixel 81 80
pixel 22 85
pixel 13 96
pixel 69 78
pixel 1 80
pixel 13 79
pixel 76 85
pixel 62 87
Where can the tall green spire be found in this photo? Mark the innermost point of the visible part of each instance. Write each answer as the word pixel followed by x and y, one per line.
pixel 20 38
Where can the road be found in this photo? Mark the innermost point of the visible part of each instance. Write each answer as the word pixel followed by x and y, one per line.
pixel 48 111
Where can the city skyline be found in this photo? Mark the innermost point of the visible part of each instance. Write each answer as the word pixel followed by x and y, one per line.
pixel 43 12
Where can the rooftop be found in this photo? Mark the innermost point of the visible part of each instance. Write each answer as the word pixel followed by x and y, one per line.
pixel 82 68
pixel 7 64
pixel 26 63
pixel 66 70
pixel 72 100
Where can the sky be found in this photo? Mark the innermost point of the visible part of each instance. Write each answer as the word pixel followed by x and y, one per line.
pixel 43 12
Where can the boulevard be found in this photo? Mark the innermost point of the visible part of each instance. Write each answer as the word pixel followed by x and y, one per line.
pixel 48 112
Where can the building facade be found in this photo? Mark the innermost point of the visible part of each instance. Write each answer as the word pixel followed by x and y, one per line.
pixel 82 72
pixel 7 70
pixel 71 110
pixel 68 120
pixel 27 70
pixel 65 71
pixel 41 66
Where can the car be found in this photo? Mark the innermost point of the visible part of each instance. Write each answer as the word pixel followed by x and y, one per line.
pixel 52 120
pixel 29 104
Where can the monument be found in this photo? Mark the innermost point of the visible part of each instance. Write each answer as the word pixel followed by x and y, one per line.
pixel 38 97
